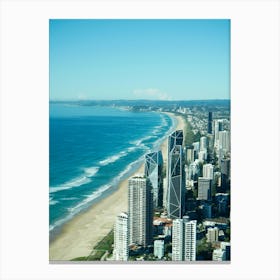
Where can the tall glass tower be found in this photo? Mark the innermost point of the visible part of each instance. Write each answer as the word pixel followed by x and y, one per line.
pixel 209 127
pixel 176 183
pixel 176 138
pixel 153 170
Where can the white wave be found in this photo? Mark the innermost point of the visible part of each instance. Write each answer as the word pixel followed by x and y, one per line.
pixel 135 142
pixel 69 198
pixel 76 209
pixel 130 149
pixel 76 182
pixel 96 194
pixel 89 199
pixel 127 171
pixel 91 171
pixel 157 129
pixel 60 222
pixel 85 178
pixel 163 120
pixel 139 142
pixel 113 158
pixel 52 202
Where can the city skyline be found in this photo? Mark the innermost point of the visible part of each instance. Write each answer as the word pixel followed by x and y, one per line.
pixel 139 59
pixel 154 61
pixel 175 206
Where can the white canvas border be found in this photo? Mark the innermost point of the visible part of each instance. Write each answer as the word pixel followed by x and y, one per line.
pixel 255 137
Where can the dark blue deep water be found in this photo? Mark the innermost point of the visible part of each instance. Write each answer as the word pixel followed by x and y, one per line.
pixel 92 149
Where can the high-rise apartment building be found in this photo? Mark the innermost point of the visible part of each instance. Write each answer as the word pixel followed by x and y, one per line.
pixel 190 240
pixel 190 154
pixel 140 211
pixel 224 140
pixel 204 189
pixel 225 173
pixel 195 149
pixel 178 240
pixel 209 127
pixel 208 171
pixel 176 183
pixel 184 240
pixel 193 170
pixel 210 139
pixel 212 234
pixel 121 238
pixel 203 143
pixel 218 126
pixel 153 170
pixel 202 155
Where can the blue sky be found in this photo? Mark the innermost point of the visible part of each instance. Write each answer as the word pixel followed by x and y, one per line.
pixel 139 59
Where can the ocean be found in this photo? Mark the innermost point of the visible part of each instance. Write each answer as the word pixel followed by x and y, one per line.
pixel 92 149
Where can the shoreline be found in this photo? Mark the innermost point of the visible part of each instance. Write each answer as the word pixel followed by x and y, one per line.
pixel 78 236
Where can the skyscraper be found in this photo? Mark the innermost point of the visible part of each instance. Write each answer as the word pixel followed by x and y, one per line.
pixel 202 155
pixel 195 149
pixel 176 138
pixel 184 240
pixel 204 189
pixel 222 202
pixel 175 176
pixel 208 171
pixel 203 143
pixel 190 154
pixel 153 170
pixel 224 140
pixel 190 240
pixel 121 238
pixel 225 173
pixel 177 240
pixel 176 184
pixel 140 211
pixel 218 126
pixel 209 128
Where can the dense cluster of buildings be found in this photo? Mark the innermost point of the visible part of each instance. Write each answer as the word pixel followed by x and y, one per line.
pixel 181 216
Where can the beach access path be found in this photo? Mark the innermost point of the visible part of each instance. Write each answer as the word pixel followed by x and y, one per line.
pixel 84 231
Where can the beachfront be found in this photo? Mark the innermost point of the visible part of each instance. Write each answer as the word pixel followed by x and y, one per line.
pixel 84 231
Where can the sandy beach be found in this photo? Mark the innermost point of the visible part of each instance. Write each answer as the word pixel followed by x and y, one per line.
pixel 79 235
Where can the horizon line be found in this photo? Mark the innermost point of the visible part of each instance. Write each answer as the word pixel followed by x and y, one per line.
pixel 155 100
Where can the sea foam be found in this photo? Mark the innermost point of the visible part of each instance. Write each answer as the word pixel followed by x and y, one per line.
pixel 79 207
pixel 113 158
pixel 91 171
pixel 85 178
pixel 85 203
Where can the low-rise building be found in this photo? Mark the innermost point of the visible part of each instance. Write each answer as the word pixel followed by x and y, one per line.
pixel 219 255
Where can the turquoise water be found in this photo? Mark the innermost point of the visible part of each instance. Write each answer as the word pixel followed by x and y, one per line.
pixel 92 149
